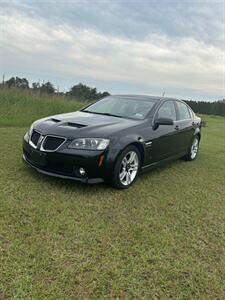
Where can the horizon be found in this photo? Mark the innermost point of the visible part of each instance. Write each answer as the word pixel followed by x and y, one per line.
pixel 112 94
pixel 65 91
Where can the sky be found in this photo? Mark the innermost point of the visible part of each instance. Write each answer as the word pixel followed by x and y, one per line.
pixel 124 47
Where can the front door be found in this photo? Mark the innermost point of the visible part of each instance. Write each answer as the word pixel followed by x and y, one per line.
pixel 164 138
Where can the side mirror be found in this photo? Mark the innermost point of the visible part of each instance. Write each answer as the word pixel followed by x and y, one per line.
pixel 162 121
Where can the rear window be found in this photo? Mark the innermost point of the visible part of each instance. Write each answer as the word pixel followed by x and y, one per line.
pixel 184 112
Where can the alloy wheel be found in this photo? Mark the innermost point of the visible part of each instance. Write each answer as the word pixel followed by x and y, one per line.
pixel 129 168
pixel 194 148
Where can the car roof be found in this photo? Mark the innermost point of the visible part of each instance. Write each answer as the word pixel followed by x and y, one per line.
pixel 143 97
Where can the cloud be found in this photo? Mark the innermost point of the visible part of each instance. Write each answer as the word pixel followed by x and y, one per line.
pixel 201 20
pixel 158 58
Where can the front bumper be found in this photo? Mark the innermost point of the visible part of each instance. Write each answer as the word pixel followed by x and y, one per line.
pixel 65 163
pixel 42 171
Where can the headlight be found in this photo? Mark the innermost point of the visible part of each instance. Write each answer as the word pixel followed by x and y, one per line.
pixel 89 144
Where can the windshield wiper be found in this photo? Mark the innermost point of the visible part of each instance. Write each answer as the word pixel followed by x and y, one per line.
pixel 99 113
pixel 111 115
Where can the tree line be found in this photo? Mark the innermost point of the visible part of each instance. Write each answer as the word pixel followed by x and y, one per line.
pixel 83 92
pixel 79 91
pixel 208 108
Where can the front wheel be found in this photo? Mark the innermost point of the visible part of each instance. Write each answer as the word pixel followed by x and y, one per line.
pixel 126 168
pixel 193 151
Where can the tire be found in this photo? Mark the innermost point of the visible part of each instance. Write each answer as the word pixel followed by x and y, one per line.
pixel 126 168
pixel 193 149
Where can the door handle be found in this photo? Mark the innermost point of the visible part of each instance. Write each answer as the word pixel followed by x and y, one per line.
pixel 177 127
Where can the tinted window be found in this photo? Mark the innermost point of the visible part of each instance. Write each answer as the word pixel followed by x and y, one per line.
pixel 167 110
pixel 122 107
pixel 183 111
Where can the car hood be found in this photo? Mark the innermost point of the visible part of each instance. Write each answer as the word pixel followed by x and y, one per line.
pixel 83 124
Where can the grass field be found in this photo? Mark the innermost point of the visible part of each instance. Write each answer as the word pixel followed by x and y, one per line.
pixel 162 238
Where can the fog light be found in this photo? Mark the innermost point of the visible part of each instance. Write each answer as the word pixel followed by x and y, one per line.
pixel 82 171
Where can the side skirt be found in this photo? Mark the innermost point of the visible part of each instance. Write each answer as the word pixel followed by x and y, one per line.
pixel 162 162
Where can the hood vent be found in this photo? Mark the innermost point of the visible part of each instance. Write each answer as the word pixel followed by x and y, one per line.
pixel 52 121
pixel 55 120
pixel 74 125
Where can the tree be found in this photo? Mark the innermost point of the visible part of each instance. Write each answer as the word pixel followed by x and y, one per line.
pixel 16 82
pixel 84 92
pixel 44 88
pixel 47 88
pixel 36 86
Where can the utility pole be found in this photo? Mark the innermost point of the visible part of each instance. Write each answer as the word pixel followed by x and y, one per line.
pixel 3 79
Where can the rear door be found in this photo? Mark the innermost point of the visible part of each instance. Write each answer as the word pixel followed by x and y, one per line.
pixel 185 125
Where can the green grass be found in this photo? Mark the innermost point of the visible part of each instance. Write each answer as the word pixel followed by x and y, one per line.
pixel 162 238
pixel 22 108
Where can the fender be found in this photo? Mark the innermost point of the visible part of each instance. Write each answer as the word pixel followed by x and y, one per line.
pixel 120 145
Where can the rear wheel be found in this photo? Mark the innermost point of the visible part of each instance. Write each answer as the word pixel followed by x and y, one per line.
pixel 193 150
pixel 126 168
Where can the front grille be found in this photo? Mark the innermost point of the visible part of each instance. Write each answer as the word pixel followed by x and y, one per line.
pixel 52 143
pixel 35 137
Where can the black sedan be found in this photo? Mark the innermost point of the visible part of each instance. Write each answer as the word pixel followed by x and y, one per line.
pixel 113 139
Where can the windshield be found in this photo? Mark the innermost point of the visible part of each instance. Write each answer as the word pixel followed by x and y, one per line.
pixel 121 107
